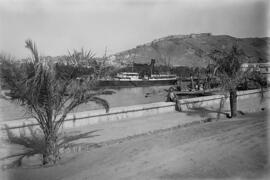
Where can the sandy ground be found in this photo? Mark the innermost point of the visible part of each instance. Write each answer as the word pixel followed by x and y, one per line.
pixel 224 149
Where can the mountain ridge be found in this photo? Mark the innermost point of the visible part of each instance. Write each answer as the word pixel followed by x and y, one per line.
pixel 191 50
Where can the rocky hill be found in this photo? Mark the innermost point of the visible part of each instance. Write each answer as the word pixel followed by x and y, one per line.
pixel 191 50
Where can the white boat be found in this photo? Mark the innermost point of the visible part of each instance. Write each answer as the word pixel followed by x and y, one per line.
pixel 129 79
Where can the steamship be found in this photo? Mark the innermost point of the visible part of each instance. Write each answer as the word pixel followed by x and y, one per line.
pixel 132 79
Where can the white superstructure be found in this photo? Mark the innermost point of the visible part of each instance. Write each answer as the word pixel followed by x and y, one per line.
pixel 128 76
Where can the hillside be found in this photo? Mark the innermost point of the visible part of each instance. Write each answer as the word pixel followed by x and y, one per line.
pixel 191 50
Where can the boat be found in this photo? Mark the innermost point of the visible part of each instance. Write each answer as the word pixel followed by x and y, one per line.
pixel 132 79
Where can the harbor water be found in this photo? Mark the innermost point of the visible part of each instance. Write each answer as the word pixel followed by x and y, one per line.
pixel 121 97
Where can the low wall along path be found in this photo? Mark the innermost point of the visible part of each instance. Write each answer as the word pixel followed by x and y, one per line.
pixel 125 113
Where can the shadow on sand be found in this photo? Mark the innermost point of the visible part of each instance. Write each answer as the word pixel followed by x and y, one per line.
pixel 30 146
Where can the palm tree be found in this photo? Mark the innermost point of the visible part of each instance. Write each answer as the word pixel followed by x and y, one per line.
pixel 228 69
pixel 48 95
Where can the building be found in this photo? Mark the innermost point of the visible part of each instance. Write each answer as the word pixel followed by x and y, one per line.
pixel 263 68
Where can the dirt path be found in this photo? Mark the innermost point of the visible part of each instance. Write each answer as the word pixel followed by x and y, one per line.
pixel 223 149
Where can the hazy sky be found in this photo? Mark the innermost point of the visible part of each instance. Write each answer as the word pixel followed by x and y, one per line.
pixel 59 25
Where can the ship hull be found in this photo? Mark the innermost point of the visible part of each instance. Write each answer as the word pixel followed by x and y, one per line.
pixel 135 83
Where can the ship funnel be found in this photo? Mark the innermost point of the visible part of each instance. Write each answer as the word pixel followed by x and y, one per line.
pixel 152 66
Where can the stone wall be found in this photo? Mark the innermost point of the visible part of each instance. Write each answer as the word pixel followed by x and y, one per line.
pixel 213 102
pixel 125 113
pixel 99 116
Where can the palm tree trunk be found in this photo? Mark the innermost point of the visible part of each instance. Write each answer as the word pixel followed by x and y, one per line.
pixel 233 102
pixel 51 152
pixel 221 106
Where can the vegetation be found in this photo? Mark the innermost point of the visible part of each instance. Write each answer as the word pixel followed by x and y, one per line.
pixel 49 91
pixel 228 69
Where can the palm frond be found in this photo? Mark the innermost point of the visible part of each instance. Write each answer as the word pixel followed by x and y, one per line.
pixel 32 47
pixel 101 102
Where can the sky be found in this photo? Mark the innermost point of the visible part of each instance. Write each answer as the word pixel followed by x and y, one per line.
pixel 61 25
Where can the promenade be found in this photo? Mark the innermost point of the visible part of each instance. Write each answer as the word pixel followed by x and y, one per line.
pixel 224 149
pixel 103 133
pixel 107 132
